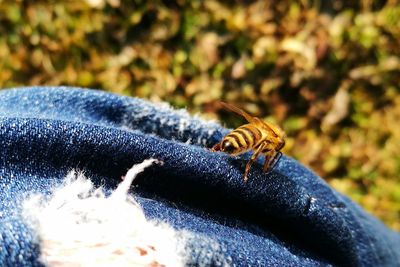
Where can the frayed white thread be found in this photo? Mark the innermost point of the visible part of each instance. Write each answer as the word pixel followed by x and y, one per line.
pixel 80 226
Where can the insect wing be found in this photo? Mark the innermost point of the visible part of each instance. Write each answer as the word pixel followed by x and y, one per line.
pixel 240 112
pixel 249 118
pixel 269 127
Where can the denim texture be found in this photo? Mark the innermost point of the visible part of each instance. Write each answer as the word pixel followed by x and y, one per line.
pixel 286 217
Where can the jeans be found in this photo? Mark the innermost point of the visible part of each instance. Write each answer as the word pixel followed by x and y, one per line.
pixel 286 217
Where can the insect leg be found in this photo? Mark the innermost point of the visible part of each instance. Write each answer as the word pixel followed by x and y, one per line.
pixel 251 161
pixel 268 156
pixel 278 155
pixel 271 160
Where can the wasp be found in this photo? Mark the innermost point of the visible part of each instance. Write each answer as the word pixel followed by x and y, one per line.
pixel 257 135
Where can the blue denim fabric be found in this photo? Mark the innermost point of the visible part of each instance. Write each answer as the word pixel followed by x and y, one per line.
pixel 286 217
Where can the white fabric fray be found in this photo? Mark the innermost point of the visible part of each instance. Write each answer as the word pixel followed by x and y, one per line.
pixel 80 226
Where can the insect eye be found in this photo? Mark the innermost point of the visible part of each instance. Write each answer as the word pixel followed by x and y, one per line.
pixel 228 147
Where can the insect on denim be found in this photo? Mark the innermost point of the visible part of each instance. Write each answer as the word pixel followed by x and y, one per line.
pixel 286 217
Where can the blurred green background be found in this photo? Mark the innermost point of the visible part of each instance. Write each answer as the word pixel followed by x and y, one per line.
pixel 327 71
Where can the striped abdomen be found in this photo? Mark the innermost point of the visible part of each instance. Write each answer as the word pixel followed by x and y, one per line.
pixel 245 137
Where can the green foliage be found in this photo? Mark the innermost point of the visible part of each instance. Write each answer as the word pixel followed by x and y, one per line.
pixel 328 73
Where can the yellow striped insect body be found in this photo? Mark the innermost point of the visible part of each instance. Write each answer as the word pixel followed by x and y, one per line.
pixel 259 136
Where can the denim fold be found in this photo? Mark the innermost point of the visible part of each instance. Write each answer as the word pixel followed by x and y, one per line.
pixel 286 217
